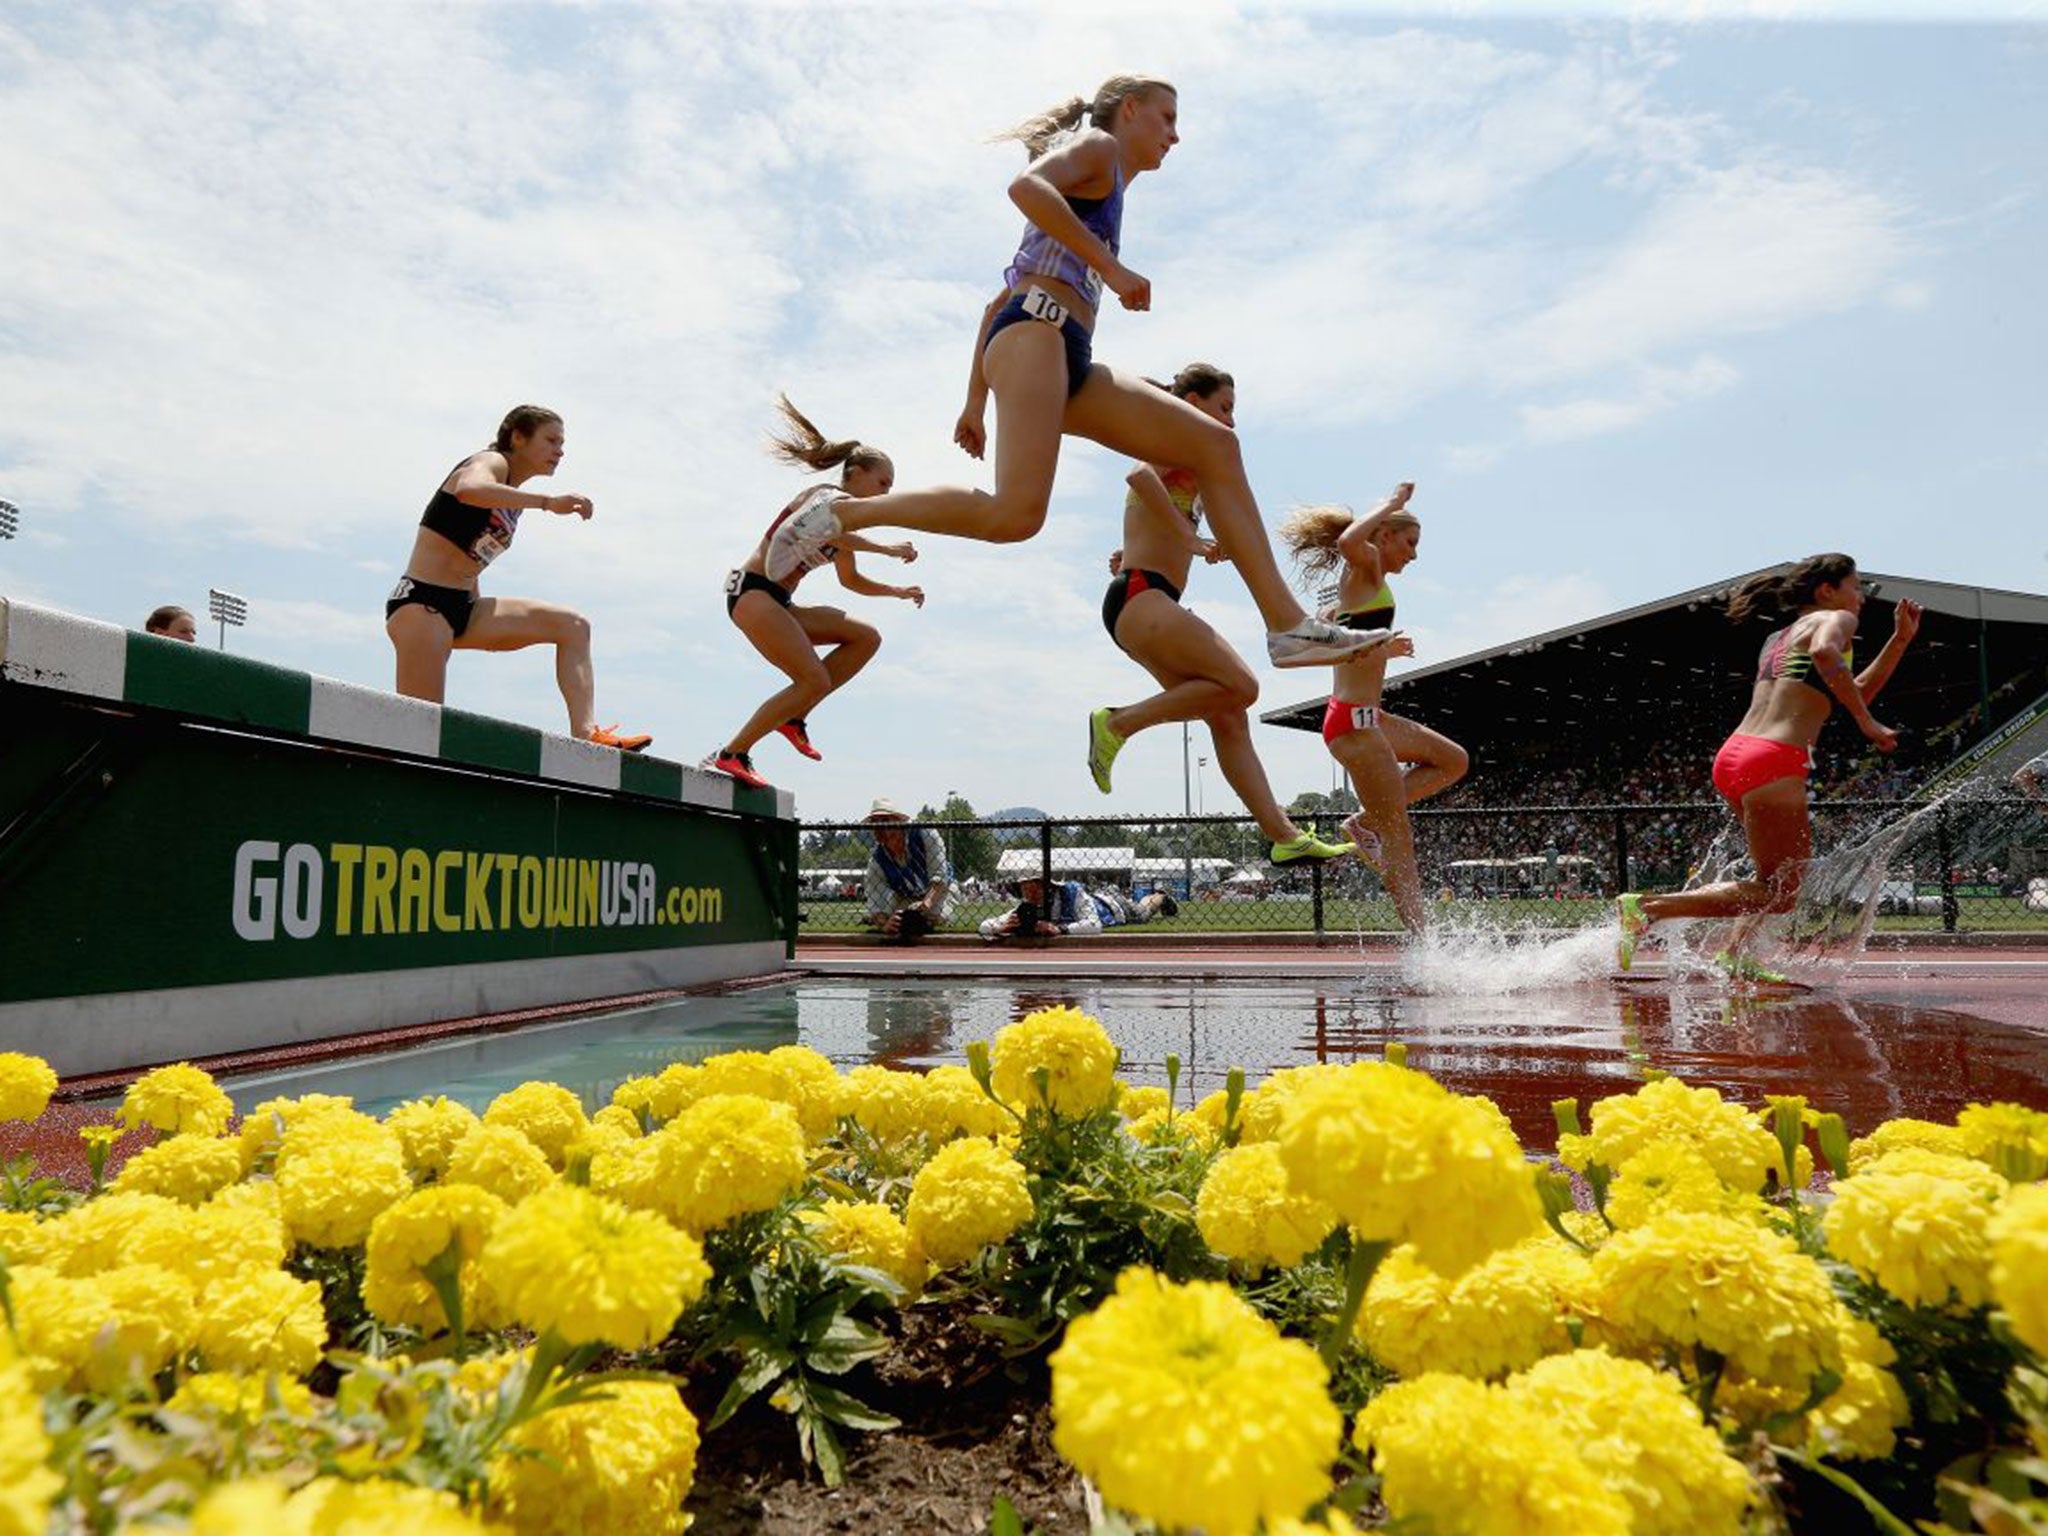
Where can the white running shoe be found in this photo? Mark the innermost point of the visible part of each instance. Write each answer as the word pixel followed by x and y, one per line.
pixel 1319 643
pixel 1370 848
pixel 806 537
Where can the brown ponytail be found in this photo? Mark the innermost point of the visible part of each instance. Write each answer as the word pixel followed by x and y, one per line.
pixel 1788 588
pixel 802 444
pixel 1038 132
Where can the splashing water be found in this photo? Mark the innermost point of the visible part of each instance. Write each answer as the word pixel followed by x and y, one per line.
pixel 1474 958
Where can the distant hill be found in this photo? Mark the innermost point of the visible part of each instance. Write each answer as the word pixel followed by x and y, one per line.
pixel 1025 813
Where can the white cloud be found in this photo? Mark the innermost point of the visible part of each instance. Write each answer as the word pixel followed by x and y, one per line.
pixel 1652 392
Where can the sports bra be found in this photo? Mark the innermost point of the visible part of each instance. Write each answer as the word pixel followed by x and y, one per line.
pixel 1376 612
pixel 803 536
pixel 1778 663
pixel 482 533
pixel 1180 490
pixel 1039 255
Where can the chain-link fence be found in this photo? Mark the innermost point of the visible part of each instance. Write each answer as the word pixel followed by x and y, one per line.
pixel 1972 865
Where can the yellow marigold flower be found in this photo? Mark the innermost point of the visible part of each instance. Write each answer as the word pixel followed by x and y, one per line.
pixel 330 1506
pixel 323 1129
pixel 722 1157
pixel 592 1270
pixel 1402 1159
pixel 146 1320
pixel 629 1172
pixel 1643 1438
pixel 27 1485
pixel 26 1083
pixel 1188 1408
pixel 634 1095
pixel 598 1137
pixel 1673 1176
pixel 951 1103
pixel 428 1131
pixel 1504 1313
pixel 228 1395
pixel 675 1090
pixel 1249 1213
pixel 265 1320
pixel 546 1114
pixel 177 1098
pixel 216 1243
pixel 815 1084
pixel 1740 1290
pixel 1921 1236
pixel 888 1105
pixel 872 1236
pixel 110 1230
pixel 479 1378
pixel 1893 1135
pixel 2010 1137
pixel 500 1159
pixel 1160 1128
pixel 1260 1110
pixel 1334 1523
pixel 1132 1103
pixel 1987 1182
pixel 1856 1421
pixel 1209 1110
pixel 333 1189
pixel 22 1240
pixel 969 1195
pixel 414 1233
pixel 621 1464
pixel 616 1117
pixel 56 1318
pixel 189 1169
pixel 249 1506
pixel 2019 1263
pixel 263 1128
pixel 1073 1051
pixel 1470 1460
pixel 1740 1151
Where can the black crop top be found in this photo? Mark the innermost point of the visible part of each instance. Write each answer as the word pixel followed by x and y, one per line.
pixel 482 533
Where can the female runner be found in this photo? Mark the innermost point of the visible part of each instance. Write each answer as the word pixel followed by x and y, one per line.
pixel 1033 352
pixel 1393 762
pixel 757 595
pixel 1200 676
pixel 436 608
pixel 1803 672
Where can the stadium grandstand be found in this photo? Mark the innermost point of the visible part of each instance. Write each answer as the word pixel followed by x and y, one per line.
pixel 1627 709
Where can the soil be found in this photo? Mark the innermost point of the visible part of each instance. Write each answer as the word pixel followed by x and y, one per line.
pixel 975 1427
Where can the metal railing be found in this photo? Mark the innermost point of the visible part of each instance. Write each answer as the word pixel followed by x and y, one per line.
pixel 1960 866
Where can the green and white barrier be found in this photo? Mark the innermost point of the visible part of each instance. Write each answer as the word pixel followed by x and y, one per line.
pixel 202 853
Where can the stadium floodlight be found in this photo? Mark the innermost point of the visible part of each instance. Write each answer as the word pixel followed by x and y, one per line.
pixel 10 519
pixel 224 608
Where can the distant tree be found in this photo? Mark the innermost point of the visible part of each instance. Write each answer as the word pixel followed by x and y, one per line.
pixel 1314 802
pixel 972 850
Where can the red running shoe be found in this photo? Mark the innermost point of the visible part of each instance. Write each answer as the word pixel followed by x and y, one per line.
pixel 625 741
pixel 800 738
pixel 740 766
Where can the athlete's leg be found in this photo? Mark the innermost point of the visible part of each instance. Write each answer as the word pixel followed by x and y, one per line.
pixel 1207 676
pixel 1140 421
pixel 513 623
pixel 783 637
pixel 1433 761
pixel 1780 834
pixel 1368 757
pixel 1027 373
pixel 423 640
pixel 1231 732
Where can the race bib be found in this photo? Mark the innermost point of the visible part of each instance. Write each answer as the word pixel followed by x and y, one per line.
pixel 734 580
pixel 496 538
pixel 402 591
pixel 1040 305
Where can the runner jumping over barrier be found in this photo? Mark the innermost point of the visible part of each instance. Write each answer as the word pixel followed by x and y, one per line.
pixel 758 594
pixel 436 607
pixel 1201 677
pixel 1392 761
pixel 1803 671
pixel 1034 353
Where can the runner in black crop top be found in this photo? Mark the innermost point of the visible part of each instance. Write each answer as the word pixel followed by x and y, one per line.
pixel 468 523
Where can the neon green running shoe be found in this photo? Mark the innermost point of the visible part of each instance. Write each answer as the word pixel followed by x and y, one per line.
pixel 1744 968
pixel 1307 848
pixel 1633 926
pixel 1103 746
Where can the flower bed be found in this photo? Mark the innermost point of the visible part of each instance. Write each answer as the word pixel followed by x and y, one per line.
pixel 1341 1297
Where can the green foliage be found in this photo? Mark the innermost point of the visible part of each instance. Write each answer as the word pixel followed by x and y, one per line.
pixel 22 1188
pixel 972 850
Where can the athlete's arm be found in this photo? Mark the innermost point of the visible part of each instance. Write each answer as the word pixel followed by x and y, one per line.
pixel 1153 497
pixel 1826 645
pixel 1905 625
pixel 1356 546
pixel 866 586
pixel 1040 193
pixel 481 483
pixel 969 431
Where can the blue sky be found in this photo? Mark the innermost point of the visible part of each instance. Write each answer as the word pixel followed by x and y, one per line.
pixel 1641 296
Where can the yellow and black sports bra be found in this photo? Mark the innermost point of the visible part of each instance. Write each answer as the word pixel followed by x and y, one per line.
pixel 1376 612
pixel 1779 663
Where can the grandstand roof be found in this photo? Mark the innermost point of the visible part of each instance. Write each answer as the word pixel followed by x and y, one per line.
pixel 1676 667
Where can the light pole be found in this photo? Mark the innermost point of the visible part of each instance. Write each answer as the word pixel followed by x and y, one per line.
pixel 10 519
pixel 224 608
pixel 1200 764
pixel 1187 808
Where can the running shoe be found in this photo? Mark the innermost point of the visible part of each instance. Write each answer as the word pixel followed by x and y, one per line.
pixel 800 738
pixel 625 741
pixel 1633 926
pixel 739 765
pixel 1306 847
pixel 1744 968
pixel 1319 643
pixel 1369 847
pixel 1103 746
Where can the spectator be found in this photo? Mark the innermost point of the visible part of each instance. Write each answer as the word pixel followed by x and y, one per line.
pixel 2032 777
pixel 1070 908
pixel 910 888
pixel 173 623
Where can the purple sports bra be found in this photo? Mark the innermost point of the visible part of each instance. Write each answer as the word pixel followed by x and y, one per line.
pixel 1039 255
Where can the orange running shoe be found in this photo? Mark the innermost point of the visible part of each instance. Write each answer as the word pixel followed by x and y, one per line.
pixel 611 736
pixel 800 737
pixel 739 765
